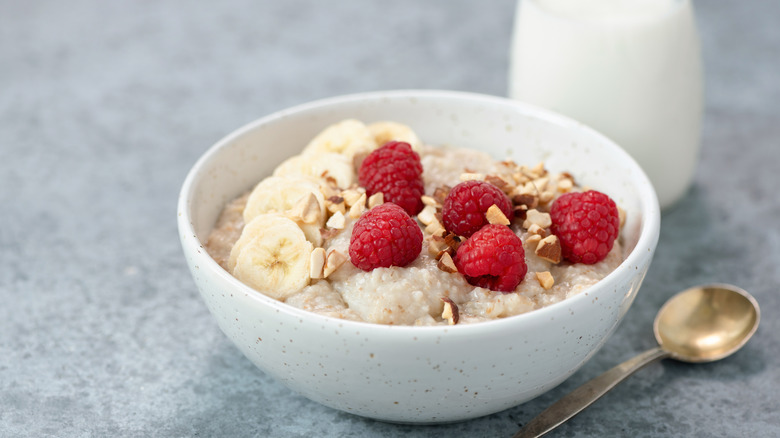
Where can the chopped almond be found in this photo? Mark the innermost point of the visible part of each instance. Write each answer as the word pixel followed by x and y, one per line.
pixel 545 279
pixel 446 263
pixel 450 312
pixel 336 221
pixel 334 261
pixel 316 263
pixel 549 249
pixel 494 215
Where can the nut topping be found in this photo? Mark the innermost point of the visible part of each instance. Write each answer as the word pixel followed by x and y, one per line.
pixel 306 210
pixel 468 176
pixel 440 194
pixel 358 207
pixel 450 312
pixel 446 264
pixel 377 198
pixel 545 279
pixel 549 249
pixel 336 221
pixel 494 215
pixel 316 262
pixel 334 261
pixel 535 216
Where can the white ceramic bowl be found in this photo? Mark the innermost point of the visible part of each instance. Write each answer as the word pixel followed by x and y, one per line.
pixel 420 374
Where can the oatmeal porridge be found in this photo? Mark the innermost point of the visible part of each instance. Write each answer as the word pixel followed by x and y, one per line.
pixel 291 237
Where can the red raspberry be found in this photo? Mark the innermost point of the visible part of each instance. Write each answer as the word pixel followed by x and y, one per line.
pixel 587 225
pixel 395 170
pixel 464 208
pixel 385 236
pixel 492 258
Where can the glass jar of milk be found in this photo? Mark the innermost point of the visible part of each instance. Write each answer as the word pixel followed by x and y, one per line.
pixel 630 69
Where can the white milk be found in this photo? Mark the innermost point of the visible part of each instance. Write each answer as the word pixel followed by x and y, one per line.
pixel 631 69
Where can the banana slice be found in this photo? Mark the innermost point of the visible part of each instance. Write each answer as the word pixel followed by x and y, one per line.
pixel 319 165
pixel 281 194
pixel 387 131
pixel 272 255
pixel 347 137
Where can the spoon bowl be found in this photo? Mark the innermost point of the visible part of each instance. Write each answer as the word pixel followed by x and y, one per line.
pixel 706 323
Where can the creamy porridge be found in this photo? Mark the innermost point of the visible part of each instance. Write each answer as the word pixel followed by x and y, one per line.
pixel 317 192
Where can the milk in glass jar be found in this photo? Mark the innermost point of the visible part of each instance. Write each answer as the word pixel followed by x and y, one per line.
pixel 630 69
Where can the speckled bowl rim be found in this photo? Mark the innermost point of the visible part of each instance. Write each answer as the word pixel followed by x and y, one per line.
pixel 648 234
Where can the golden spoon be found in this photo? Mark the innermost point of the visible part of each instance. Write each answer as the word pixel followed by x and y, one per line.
pixel 700 324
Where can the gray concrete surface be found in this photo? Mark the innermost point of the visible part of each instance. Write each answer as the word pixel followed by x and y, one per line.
pixel 104 106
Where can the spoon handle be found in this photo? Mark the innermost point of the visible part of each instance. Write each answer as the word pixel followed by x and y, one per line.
pixel 585 395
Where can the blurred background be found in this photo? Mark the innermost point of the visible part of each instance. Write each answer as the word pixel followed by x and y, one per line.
pixel 104 107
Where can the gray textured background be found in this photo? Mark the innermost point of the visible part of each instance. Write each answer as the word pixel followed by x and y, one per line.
pixel 104 106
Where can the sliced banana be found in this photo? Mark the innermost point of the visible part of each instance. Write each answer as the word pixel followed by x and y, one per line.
pixel 347 137
pixel 280 194
pixel 319 165
pixel 272 255
pixel 388 131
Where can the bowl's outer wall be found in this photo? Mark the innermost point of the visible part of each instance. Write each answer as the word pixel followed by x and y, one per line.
pixel 420 374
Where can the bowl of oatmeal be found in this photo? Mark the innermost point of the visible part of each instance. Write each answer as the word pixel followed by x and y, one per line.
pixel 282 226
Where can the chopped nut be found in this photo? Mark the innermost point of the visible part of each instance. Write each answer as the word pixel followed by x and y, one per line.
pixel 520 211
pixel 428 200
pixel 329 190
pixel 337 221
pixel 533 240
pixel 494 215
pixel 452 240
pixel 352 196
pixel 358 207
pixel 541 183
pixel 435 228
pixel 440 193
pixel 336 204
pixel 539 169
pixel 536 229
pixel 316 262
pixel 546 196
pixel 549 249
pixel 334 261
pixel 534 216
pixel 307 209
pixel 427 215
pixel 520 178
pixel 528 188
pixel 545 279
pixel 565 184
pixel 377 198
pixel 446 264
pixel 526 199
pixel 622 216
pixel 499 182
pixel 468 176
pixel 450 312
pixel 436 245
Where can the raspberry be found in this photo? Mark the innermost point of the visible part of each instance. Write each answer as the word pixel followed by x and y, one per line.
pixel 587 225
pixel 395 170
pixel 385 236
pixel 492 258
pixel 463 212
